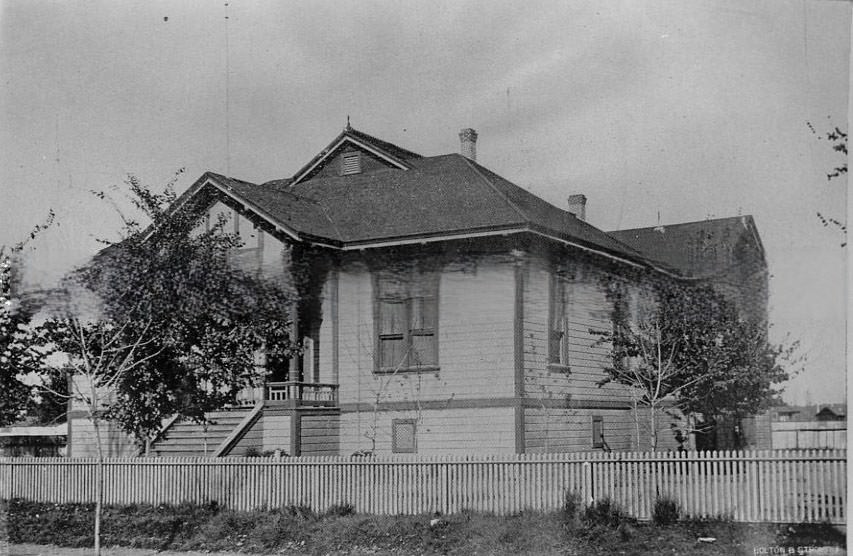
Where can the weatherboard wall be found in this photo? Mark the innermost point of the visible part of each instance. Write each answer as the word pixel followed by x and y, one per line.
pixel 83 440
pixel 589 310
pixel 438 431
pixel 475 338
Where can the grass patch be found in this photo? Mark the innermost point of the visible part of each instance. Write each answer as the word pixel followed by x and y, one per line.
pixel 601 528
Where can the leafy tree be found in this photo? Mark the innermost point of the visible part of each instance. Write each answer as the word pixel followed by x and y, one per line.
pixel 691 351
pixel 174 278
pixel 16 310
pixel 16 395
pixel 50 400
pixel 100 353
pixel 159 323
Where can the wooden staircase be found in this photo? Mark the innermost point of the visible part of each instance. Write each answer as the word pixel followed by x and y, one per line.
pixel 185 438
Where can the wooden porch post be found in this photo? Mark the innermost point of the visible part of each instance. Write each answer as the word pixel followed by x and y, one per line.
pixel 294 336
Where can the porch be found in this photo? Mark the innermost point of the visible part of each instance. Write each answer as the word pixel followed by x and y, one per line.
pixel 291 394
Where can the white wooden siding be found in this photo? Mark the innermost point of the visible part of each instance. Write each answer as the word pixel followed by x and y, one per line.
pixel 320 435
pixel 270 256
pixel 276 431
pixel 114 442
pixel 589 309
pixel 252 439
pixel 570 430
pixel 475 342
pixel 488 430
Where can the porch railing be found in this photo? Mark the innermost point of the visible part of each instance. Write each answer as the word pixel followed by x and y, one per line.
pixel 304 393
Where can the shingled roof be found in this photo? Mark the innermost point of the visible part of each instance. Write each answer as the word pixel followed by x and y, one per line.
pixel 691 248
pixel 432 198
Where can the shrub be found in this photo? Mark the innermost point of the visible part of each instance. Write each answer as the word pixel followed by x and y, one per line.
pixel 666 511
pixel 604 512
pixel 572 507
pixel 300 512
pixel 340 510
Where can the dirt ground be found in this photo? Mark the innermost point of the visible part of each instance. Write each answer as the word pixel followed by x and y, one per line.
pixel 43 550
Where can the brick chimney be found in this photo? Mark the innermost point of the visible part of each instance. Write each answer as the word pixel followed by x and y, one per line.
pixel 468 143
pixel 577 206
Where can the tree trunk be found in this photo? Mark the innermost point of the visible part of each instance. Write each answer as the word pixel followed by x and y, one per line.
pixel 653 426
pixel 99 484
pixel 636 418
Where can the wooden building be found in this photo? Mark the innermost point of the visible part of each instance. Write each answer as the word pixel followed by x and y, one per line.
pixel 443 310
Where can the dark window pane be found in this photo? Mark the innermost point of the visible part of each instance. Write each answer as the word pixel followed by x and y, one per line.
pixel 423 350
pixel 558 339
pixel 392 317
pixel 423 313
pixel 597 432
pixel 554 347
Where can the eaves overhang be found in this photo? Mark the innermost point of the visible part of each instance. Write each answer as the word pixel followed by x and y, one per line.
pixel 424 238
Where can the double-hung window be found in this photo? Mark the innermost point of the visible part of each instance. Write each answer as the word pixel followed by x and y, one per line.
pixel 558 317
pixel 406 320
pixel 631 322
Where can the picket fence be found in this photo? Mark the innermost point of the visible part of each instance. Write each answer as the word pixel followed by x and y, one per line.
pixel 758 486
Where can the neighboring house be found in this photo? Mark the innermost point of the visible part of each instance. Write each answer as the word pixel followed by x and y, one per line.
pixel 442 309
pixel 34 441
pixel 809 426
pixel 813 412
pixel 725 253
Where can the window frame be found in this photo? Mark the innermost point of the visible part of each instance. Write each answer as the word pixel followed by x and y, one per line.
pixel 414 281
pixel 395 449
pixel 559 295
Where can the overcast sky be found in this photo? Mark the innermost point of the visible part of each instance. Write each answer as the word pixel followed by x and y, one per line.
pixel 679 109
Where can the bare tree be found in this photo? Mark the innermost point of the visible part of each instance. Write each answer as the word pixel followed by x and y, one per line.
pixel 98 354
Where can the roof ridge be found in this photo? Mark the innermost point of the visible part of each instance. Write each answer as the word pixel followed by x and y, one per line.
pixel 303 198
pixel 690 223
pixel 382 142
pixel 325 211
pixel 493 187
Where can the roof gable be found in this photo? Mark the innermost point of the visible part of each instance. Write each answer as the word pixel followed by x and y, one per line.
pixel 377 154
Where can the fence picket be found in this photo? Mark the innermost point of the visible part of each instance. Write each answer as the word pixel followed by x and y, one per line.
pixel 772 486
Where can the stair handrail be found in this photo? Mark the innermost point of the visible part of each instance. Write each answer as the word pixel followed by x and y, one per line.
pixel 239 430
pixel 169 422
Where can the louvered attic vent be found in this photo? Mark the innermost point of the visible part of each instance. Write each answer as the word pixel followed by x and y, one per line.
pixel 351 163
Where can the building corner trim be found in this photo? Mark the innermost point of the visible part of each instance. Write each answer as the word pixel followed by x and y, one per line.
pixel 518 348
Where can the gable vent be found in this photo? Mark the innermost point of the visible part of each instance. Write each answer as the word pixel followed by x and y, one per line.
pixel 351 163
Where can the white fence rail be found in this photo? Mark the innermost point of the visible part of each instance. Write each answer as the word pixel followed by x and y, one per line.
pixel 768 486
pixel 801 435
